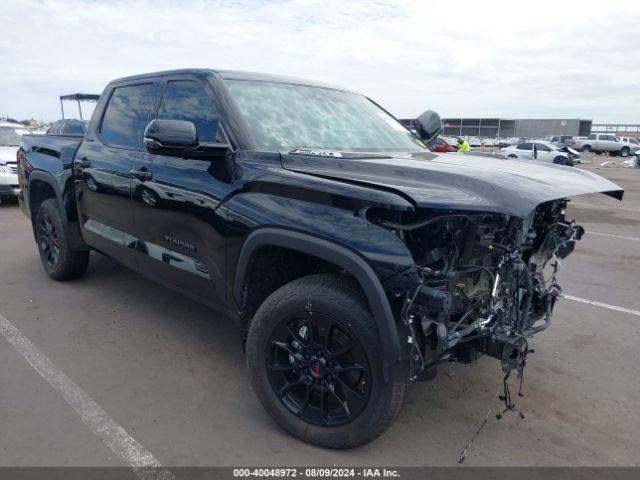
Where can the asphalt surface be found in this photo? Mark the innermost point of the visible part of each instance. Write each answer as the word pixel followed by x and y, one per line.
pixel 171 372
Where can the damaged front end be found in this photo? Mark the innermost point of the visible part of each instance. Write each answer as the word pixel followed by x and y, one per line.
pixel 482 283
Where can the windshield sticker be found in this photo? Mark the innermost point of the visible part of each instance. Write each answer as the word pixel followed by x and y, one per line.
pixel 318 153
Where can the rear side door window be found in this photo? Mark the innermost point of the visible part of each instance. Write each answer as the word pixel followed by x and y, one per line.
pixel 126 115
pixel 188 100
pixel 524 146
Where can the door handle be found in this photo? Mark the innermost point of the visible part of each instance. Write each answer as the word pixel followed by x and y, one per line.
pixel 84 162
pixel 142 174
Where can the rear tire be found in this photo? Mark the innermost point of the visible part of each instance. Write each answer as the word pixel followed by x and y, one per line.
pixel 624 152
pixel 296 320
pixel 59 260
pixel 586 148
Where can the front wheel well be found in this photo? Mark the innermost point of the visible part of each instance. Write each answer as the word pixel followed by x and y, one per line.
pixel 271 267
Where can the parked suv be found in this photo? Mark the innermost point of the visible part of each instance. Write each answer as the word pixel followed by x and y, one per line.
pixel 353 259
pixel 631 142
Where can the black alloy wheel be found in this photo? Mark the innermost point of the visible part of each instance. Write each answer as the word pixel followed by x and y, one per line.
pixel 49 242
pixel 318 369
pixel 315 363
pixel 59 259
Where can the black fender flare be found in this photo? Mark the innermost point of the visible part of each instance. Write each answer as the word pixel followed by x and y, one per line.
pixel 73 230
pixel 344 258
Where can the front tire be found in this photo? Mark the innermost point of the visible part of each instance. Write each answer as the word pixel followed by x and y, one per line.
pixel 59 260
pixel 624 152
pixel 313 354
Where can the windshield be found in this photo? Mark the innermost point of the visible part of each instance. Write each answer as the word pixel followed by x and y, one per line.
pixel 10 136
pixel 283 117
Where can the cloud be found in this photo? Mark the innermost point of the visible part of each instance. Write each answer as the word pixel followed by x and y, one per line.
pixel 551 59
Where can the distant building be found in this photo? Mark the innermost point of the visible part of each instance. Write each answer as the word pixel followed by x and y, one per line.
pixel 512 127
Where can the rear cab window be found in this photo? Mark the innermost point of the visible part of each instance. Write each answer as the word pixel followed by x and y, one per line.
pixel 72 128
pixel 54 129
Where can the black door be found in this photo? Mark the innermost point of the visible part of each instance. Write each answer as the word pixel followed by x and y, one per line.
pixel 175 200
pixel 102 171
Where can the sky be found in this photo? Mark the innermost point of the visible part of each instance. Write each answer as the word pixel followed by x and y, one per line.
pixel 531 59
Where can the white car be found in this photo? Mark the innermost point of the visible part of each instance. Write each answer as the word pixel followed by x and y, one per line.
pixel 542 152
pixel 10 135
pixel 489 142
pixel 474 141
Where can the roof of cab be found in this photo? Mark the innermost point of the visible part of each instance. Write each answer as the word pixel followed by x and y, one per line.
pixel 230 75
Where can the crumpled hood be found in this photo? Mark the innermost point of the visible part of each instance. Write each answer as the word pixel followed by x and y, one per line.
pixel 7 154
pixel 456 181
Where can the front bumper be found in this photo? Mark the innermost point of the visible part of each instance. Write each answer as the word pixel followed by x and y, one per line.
pixel 9 184
pixel 9 190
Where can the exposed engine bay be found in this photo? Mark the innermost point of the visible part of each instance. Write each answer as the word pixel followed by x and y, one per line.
pixel 482 283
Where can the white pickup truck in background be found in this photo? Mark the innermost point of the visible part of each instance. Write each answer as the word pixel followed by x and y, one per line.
pixel 604 142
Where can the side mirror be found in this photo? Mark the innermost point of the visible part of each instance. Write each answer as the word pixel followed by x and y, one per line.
pixel 163 135
pixel 179 138
pixel 428 125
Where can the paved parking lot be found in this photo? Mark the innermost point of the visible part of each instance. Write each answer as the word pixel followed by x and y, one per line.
pixel 171 372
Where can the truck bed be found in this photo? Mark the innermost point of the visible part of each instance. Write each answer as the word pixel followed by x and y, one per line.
pixel 49 153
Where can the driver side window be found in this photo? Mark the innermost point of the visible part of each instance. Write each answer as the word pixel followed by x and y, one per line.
pixel 188 100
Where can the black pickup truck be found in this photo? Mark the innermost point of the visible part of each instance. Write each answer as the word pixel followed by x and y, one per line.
pixel 353 258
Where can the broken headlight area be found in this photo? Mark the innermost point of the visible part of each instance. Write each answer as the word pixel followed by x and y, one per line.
pixel 482 283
